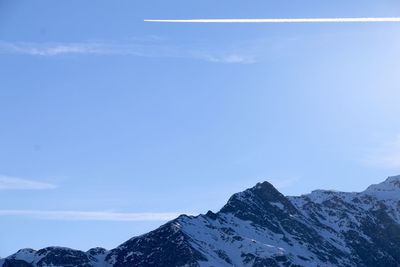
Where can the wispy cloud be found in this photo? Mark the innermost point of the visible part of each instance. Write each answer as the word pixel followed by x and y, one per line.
pixel 90 215
pixel 230 57
pixel 85 48
pixel 282 20
pixel 152 48
pixel 14 183
pixel 386 154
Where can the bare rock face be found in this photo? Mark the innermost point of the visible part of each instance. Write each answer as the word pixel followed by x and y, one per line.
pixel 258 227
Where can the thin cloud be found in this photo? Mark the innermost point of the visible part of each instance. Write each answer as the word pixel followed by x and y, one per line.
pixel 230 58
pixel 62 215
pixel 56 49
pixel 151 48
pixel 283 20
pixel 14 183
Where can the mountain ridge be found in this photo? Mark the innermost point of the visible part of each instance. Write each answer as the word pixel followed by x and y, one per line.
pixel 258 227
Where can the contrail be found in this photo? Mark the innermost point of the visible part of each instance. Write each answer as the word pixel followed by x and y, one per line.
pixel 282 20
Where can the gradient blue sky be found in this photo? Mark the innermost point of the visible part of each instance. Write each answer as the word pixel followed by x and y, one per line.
pixel 101 112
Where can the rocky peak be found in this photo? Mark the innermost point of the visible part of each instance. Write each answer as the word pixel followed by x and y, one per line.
pixel 388 189
pixel 263 191
pixel 266 191
pixel 394 181
pixel 259 204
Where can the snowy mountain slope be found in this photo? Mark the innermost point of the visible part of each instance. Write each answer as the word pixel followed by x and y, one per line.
pixel 259 227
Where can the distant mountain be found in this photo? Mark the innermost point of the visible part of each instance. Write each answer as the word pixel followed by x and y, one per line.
pixel 258 227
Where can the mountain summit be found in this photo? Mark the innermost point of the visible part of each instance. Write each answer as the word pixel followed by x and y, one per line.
pixel 258 227
pixel 389 189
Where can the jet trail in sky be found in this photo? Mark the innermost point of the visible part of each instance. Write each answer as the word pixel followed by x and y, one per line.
pixel 282 20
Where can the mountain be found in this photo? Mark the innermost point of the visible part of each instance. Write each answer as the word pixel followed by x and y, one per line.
pixel 258 227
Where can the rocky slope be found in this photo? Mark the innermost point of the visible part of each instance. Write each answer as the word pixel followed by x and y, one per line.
pixel 258 227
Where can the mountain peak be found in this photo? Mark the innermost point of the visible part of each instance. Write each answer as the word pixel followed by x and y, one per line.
pixel 394 180
pixel 258 203
pixel 263 191
pixel 388 189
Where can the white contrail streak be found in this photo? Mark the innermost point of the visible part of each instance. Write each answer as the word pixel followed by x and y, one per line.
pixel 283 20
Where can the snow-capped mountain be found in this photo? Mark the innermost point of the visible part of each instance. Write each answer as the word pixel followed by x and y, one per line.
pixel 258 227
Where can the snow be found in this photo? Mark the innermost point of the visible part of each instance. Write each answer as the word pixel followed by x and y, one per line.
pixel 225 239
pixel 278 205
pixel 211 236
pixel 27 254
pixel 387 190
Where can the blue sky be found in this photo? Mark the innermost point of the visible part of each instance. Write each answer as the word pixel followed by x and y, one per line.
pixel 110 126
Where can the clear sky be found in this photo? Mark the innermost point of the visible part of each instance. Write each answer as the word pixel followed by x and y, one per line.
pixel 109 125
